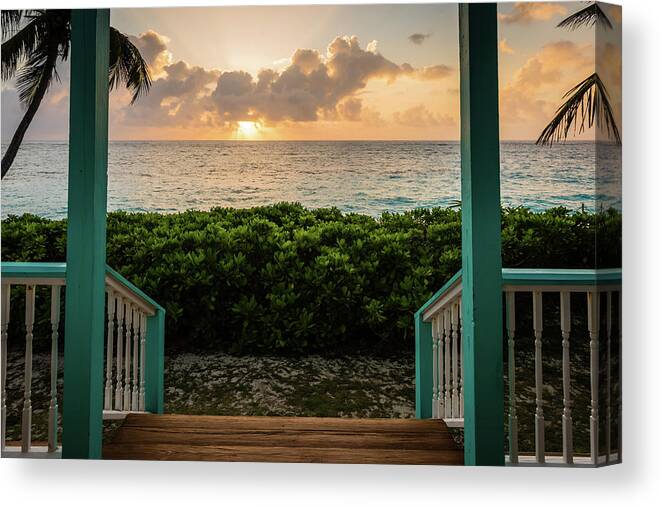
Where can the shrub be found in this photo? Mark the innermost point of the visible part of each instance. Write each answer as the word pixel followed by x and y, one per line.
pixel 283 279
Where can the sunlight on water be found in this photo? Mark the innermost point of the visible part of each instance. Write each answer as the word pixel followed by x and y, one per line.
pixel 363 177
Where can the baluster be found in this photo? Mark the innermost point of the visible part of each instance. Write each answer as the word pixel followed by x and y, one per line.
pixel 109 349
pixel 143 343
pixel 455 361
pixel 609 328
pixel 439 362
pixel 127 357
pixel 136 358
pixel 121 329
pixel 6 299
pixel 26 420
pixel 567 423
pixel 619 378
pixel 446 344
pixel 434 368
pixel 593 329
pixel 461 364
pixel 511 373
pixel 539 385
pixel 53 407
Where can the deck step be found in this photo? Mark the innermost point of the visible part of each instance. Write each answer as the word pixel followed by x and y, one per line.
pixel 283 439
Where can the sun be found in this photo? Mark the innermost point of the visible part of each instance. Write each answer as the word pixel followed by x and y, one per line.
pixel 247 129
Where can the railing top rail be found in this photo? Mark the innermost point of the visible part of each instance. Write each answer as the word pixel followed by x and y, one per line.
pixel 122 285
pixel 450 284
pixel 542 279
pixel 23 270
pixel 524 276
pixel 55 273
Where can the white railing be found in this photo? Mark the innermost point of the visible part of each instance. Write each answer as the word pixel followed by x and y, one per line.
pixel 126 339
pixel 447 374
pixel 602 292
pixel 125 354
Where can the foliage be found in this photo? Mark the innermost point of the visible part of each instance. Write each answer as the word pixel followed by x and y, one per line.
pixel 33 41
pixel 286 280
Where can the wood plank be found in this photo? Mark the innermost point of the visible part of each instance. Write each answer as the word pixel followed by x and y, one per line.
pixel 287 438
pixel 270 423
pixel 283 439
pixel 184 452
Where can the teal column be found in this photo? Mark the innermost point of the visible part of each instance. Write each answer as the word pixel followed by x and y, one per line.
pixel 423 367
pixel 481 216
pixel 82 422
pixel 155 344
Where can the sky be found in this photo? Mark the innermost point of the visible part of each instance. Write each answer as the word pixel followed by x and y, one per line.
pixel 326 72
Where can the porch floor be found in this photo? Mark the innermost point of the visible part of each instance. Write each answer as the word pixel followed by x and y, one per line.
pixel 284 439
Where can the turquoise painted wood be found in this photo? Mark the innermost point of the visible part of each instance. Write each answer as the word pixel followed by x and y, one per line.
pixel 423 367
pixel 513 277
pixel 86 235
pixel 33 269
pixel 154 367
pixel 484 435
pixel 59 270
pixel 587 277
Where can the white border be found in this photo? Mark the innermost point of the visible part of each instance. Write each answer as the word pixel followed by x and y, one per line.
pixel 636 482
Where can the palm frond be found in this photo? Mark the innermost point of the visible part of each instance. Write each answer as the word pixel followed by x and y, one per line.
pixel 11 22
pixel 37 72
pixel 19 47
pixel 587 104
pixel 127 65
pixel 588 16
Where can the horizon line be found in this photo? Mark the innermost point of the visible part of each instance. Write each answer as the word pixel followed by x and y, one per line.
pixel 298 140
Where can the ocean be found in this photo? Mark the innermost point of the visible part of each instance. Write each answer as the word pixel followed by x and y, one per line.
pixel 369 177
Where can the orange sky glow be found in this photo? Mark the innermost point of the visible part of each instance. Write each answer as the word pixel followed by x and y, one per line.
pixel 330 72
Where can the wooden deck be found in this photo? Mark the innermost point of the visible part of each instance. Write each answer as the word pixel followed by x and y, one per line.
pixel 284 439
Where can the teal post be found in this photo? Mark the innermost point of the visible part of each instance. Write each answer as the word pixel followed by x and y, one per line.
pixel 423 367
pixel 155 344
pixel 481 215
pixel 82 421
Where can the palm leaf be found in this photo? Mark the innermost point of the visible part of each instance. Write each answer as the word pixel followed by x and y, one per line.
pixel 38 69
pixel 588 16
pixel 18 48
pixel 127 65
pixel 11 22
pixel 587 104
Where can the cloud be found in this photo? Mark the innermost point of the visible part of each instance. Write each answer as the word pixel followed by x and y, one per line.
pixel 529 99
pixel 350 109
pixel 504 47
pixel 429 73
pixel 419 38
pixel 527 12
pixel 419 117
pixel 153 48
pixel 311 85
pixel 177 98
pixel 314 85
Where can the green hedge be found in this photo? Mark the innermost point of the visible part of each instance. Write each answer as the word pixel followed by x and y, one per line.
pixel 287 280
